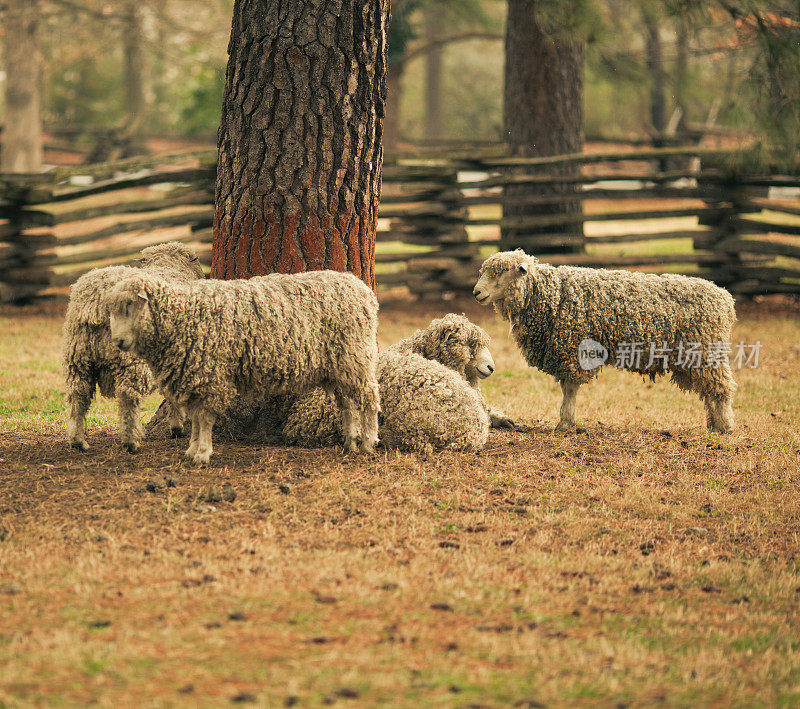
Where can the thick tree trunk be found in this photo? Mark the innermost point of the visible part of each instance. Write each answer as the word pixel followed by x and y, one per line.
pixel 300 152
pixel 543 117
pixel 433 74
pixel 299 171
pixel 135 99
pixel 22 123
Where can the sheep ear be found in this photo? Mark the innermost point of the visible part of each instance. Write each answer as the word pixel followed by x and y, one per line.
pixel 141 294
pixel 524 268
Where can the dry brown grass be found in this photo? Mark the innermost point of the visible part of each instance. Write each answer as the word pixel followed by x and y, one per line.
pixel 641 562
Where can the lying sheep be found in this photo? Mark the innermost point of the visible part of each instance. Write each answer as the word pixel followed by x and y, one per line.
pixel 429 389
pixel 463 347
pixel 271 335
pixel 90 358
pixel 610 316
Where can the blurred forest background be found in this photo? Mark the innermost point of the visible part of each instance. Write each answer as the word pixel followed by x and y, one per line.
pixel 120 74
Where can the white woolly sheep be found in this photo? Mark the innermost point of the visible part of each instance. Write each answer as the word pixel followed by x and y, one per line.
pixel 463 347
pixel 280 334
pixel 424 407
pixel 89 357
pixel 554 311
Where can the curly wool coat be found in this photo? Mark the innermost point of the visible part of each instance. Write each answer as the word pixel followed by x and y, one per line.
pixel 209 341
pixel 428 385
pixel 90 359
pixel 553 309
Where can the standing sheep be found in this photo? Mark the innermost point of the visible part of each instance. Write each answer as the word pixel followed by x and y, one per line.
pixel 90 358
pixel 281 334
pixel 429 393
pixel 644 323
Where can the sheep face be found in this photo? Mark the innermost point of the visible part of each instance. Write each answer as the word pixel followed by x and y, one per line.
pixel 499 273
pixel 482 364
pixel 127 312
pixel 462 344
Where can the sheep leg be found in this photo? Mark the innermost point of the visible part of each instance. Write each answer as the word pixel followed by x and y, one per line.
pixel 719 415
pixel 370 409
pixel 570 392
pixel 497 419
pixel 204 450
pixel 177 415
pixel 131 429
pixel 193 439
pixel 79 396
pixel 351 421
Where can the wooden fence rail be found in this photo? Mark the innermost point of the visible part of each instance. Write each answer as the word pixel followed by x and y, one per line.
pixel 672 209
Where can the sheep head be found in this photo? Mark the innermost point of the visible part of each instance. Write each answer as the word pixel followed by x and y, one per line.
pixel 173 256
pixel 461 345
pixel 130 315
pixel 499 272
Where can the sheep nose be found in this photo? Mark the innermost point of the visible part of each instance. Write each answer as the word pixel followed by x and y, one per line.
pixel 490 368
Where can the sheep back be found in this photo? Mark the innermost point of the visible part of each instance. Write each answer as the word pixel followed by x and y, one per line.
pixel 263 336
pixel 553 309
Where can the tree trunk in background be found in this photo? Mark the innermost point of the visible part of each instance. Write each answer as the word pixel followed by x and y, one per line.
pixel 135 100
pixel 22 123
pixel 543 117
pixel 655 65
pixel 299 170
pixel 391 124
pixel 433 74
pixel 682 66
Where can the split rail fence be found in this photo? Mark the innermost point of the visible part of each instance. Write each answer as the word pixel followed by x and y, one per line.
pixel 672 209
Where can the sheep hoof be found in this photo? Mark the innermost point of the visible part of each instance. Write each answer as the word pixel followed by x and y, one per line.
pixel 132 447
pixel 80 445
pixel 351 446
pixel 201 459
pixel 176 432
pixel 502 422
pixel 564 427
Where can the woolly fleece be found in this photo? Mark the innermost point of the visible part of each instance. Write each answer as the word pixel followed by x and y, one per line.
pixel 423 407
pixel 89 358
pixel 279 334
pixel 552 309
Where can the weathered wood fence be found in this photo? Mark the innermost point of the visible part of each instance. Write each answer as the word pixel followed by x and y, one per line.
pixel 676 210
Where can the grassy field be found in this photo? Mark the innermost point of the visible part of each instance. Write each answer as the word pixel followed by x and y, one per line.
pixel 641 561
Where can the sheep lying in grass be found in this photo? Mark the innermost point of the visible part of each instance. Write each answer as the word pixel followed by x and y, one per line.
pixel 272 335
pixel 91 359
pixel 429 394
pixel 463 347
pixel 610 316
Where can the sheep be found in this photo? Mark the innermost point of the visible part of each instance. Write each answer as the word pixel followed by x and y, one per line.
pixel 463 347
pixel 569 321
pixel 271 335
pixel 89 358
pixel 424 381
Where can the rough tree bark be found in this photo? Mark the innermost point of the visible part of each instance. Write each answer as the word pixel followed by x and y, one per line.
pixel 543 117
pixel 299 170
pixel 22 123
pixel 300 152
